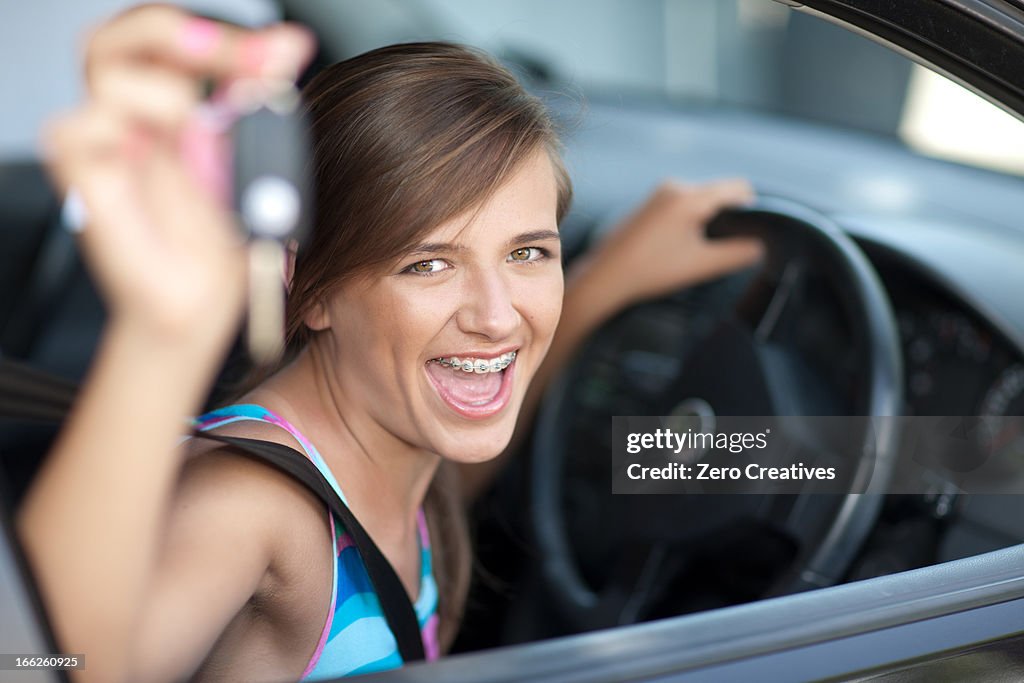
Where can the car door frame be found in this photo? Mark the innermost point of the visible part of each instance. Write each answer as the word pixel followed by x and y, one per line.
pixel 991 29
pixel 932 621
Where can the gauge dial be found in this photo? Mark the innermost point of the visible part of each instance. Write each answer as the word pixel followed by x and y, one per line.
pixel 1002 409
pixel 1006 397
pixel 947 360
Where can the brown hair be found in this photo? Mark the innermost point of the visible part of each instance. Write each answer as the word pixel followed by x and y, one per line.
pixel 407 137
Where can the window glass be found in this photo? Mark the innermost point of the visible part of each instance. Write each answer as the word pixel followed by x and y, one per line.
pixel 748 53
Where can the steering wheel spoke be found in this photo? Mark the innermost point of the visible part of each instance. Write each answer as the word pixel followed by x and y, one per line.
pixel 771 300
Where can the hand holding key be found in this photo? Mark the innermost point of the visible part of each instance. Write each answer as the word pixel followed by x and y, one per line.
pixel 143 157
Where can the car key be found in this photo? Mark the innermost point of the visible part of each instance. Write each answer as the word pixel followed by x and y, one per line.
pixel 270 191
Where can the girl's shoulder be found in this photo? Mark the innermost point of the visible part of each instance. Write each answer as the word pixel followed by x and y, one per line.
pixel 277 490
pixel 281 498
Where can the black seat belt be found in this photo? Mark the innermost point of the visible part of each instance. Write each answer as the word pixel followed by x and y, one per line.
pixel 394 600
pixel 29 394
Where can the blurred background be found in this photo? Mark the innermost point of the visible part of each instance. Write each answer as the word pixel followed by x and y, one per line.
pixel 747 53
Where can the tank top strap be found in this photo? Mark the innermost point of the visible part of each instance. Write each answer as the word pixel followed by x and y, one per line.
pixel 240 412
pixel 251 411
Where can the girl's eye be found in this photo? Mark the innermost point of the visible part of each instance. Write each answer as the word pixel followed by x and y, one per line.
pixel 526 254
pixel 428 267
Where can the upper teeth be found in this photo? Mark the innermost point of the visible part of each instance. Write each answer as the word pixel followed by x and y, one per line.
pixel 478 365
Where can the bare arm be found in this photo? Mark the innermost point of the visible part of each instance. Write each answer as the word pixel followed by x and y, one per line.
pixel 91 522
pixel 165 255
pixel 658 249
pixel 219 545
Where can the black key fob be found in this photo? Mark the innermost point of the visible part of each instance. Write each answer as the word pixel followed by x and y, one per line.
pixel 271 183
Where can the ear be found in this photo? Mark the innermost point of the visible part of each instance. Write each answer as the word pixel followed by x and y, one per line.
pixel 316 318
pixel 292 251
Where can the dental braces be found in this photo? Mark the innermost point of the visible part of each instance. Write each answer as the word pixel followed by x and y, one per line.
pixel 479 366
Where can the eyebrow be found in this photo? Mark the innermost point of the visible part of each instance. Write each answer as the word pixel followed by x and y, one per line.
pixel 448 247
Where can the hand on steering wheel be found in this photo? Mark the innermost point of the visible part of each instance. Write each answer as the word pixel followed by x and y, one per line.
pixel 662 246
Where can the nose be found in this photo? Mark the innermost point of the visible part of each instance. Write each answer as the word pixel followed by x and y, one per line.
pixel 488 306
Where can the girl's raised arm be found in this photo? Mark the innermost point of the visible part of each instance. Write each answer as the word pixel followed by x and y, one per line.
pixel 167 259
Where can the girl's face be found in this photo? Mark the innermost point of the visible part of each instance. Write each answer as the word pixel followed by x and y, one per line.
pixel 438 351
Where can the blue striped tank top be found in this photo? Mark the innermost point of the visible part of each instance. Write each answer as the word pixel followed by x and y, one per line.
pixel 356 638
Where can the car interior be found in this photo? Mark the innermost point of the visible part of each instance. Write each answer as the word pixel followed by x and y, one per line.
pixel 900 260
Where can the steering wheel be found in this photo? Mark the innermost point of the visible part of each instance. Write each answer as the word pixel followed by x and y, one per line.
pixel 750 363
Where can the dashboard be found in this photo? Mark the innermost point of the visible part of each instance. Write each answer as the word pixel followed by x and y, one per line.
pixel 956 362
pixel 958 312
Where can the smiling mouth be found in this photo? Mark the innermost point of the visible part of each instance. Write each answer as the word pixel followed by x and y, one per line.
pixel 474 388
